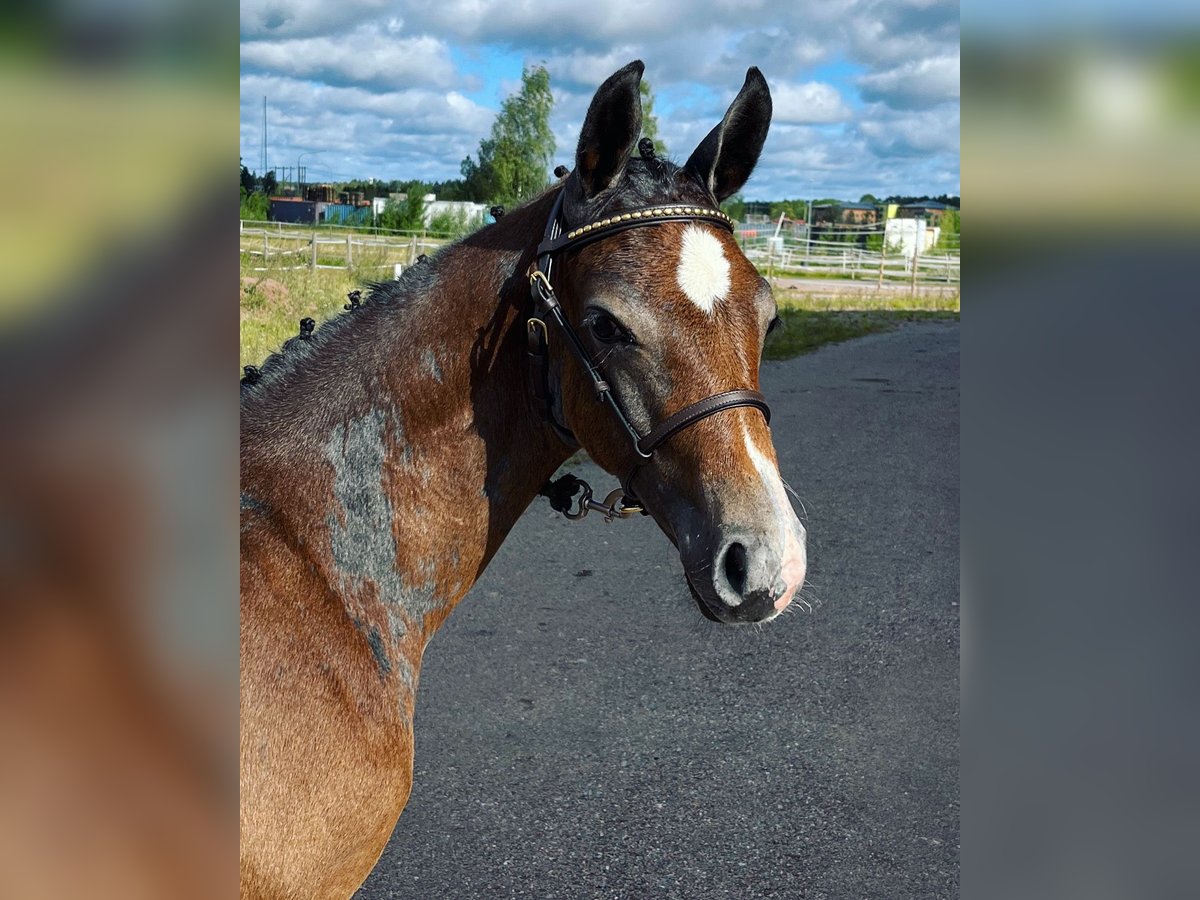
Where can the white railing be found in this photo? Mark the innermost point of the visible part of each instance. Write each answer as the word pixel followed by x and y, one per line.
pixel 311 248
pixel 848 259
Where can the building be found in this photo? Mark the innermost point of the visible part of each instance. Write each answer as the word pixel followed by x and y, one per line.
pixel 845 214
pixel 930 210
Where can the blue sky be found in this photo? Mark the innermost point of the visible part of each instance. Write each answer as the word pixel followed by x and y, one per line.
pixel 865 92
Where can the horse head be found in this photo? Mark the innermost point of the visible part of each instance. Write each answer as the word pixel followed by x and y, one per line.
pixel 674 314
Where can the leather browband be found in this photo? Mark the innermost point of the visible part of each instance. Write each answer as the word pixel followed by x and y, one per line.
pixel 634 218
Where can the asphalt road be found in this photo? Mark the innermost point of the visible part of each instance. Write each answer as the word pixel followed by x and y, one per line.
pixel 582 732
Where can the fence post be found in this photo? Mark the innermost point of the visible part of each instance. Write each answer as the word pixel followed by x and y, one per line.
pixel 349 251
pixel 266 247
pixel 920 237
pixel 313 264
pixel 882 257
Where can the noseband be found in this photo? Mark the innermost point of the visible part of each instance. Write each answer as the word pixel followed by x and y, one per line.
pixel 547 308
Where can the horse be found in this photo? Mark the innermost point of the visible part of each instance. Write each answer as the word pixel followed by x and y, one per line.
pixel 385 456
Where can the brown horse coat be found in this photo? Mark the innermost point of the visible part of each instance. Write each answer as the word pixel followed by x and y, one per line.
pixel 385 457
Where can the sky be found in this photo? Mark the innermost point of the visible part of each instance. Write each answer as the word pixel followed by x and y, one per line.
pixel 866 92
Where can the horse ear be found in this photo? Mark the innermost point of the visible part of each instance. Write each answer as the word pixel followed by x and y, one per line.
pixel 724 160
pixel 611 129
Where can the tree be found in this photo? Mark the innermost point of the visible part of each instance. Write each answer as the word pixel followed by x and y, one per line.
pixel 269 183
pixel 735 207
pixel 649 120
pixel 247 181
pixel 405 215
pixel 255 206
pixel 512 164
pixel 793 209
pixel 949 238
pixel 868 198
pixel 480 177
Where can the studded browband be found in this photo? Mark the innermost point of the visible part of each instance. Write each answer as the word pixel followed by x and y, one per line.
pixel 547 307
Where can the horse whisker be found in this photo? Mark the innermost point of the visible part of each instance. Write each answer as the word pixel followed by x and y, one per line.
pixel 791 491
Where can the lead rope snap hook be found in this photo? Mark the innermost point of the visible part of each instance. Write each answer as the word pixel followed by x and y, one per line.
pixel 614 506
pixel 585 503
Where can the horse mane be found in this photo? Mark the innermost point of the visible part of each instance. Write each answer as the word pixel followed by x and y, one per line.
pixel 390 297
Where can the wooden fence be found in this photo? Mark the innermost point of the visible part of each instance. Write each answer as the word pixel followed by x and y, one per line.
pixel 272 246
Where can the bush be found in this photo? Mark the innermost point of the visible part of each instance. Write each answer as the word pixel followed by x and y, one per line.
pixel 406 215
pixel 255 206
pixel 453 225
pixel 949 239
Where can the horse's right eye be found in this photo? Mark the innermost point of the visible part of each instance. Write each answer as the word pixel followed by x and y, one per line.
pixel 608 330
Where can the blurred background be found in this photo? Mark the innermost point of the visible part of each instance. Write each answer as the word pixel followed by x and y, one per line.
pixel 118 351
pixel 1081 143
pixel 118 615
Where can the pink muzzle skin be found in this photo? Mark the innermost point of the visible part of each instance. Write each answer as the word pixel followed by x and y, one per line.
pixel 793 570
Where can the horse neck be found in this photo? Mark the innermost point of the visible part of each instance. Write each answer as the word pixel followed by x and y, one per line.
pixel 400 452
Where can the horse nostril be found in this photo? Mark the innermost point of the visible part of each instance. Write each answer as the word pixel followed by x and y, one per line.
pixel 735 568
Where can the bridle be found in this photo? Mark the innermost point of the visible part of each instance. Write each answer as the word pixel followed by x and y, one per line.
pixel 622 502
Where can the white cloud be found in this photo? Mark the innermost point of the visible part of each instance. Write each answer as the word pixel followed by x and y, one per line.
pixel 810 103
pixel 304 18
pixel 927 132
pixel 419 110
pixel 366 56
pixel 551 23
pixel 915 84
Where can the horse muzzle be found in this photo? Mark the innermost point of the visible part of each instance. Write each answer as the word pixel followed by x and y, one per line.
pixel 748 577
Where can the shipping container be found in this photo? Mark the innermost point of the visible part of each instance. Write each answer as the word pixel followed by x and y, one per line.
pixel 289 209
pixel 347 214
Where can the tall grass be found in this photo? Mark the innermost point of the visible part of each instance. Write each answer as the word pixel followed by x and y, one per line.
pixel 274 302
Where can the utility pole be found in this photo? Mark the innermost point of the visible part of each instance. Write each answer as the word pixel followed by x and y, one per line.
pixel 263 168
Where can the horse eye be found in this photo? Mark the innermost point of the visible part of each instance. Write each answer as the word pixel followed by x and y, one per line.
pixel 608 330
pixel 775 323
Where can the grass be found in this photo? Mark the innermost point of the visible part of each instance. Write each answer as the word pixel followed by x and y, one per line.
pixel 274 302
pixel 810 322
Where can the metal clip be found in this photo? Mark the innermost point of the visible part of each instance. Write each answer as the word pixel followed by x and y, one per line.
pixel 613 506
pixel 584 507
